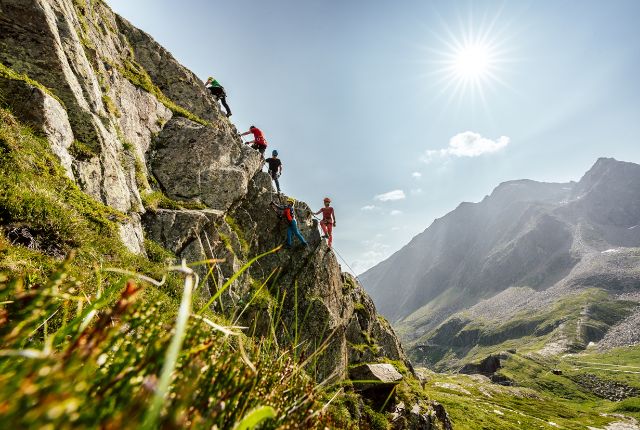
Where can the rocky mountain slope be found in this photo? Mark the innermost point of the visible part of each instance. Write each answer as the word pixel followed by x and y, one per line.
pixel 137 132
pixel 541 260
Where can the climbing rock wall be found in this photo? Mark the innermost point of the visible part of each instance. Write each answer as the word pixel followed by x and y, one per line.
pixel 130 125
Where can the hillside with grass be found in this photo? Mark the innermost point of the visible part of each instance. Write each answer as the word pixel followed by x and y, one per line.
pixel 143 283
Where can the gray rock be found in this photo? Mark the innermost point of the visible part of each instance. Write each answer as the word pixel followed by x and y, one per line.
pixel 43 112
pixel 47 41
pixel 193 162
pixel 132 235
pixel 374 375
pixel 488 366
pixel 175 229
pixel 174 80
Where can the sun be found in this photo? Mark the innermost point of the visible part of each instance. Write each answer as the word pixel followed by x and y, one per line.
pixel 472 61
pixel 470 65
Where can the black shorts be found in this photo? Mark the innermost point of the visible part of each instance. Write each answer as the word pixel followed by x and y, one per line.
pixel 260 148
pixel 217 92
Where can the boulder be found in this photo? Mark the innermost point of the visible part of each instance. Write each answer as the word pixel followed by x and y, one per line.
pixel 487 366
pixel 176 229
pixel 44 113
pixel 377 376
pixel 205 164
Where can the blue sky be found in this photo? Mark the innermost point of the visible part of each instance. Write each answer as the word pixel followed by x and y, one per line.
pixel 354 94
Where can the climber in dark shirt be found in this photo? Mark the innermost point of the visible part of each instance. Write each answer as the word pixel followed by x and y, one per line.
pixel 275 168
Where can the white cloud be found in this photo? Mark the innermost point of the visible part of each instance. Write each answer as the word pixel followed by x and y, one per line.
pixel 467 144
pixel 416 175
pixel 395 212
pixel 390 196
pixel 416 191
pixel 377 252
pixel 367 208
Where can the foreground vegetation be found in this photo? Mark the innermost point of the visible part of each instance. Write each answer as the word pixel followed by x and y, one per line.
pixel 83 345
pixel 92 335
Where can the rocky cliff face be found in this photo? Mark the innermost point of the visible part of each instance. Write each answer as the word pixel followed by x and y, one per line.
pixel 138 132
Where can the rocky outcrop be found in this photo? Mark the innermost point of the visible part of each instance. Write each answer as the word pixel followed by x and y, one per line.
pixel 177 229
pixel 381 376
pixel 204 164
pixel 73 49
pixel 487 367
pixel 130 124
pixel 420 417
pixel 43 112
pixel 606 389
pixel 175 81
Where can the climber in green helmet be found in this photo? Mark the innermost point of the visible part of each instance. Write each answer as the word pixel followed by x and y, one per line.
pixel 218 92
pixel 288 213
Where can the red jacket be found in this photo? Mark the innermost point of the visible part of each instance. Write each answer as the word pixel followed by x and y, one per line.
pixel 288 213
pixel 258 136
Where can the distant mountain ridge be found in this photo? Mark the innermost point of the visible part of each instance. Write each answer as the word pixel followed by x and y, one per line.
pixel 540 236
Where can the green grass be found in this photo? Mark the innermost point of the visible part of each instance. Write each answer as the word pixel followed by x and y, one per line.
pixel 37 198
pixel 8 73
pixel 540 393
pixel 226 240
pixel 141 178
pixel 616 365
pixel 110 106
pixel 529 332
pixel 154 200
pixel 476 403
pixel 99 364
pixel 244 245
pixel 82 151
pixel 630 406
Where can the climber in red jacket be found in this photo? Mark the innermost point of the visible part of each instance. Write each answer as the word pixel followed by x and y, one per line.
pixel 288 213
pixel 259 142
pixel 328 220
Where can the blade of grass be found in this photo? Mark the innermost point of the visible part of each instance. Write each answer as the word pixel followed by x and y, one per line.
pixel 234 277
pixel 255 417
pixel 171 356
pixel 237 318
